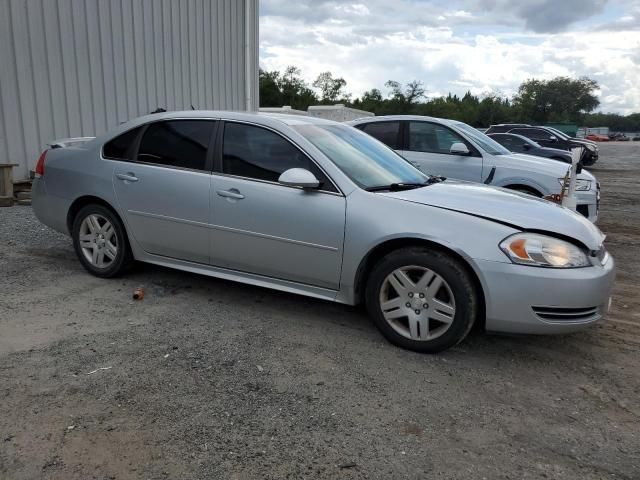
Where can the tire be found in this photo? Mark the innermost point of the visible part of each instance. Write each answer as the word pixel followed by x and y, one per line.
pixel 94 242
pixel 406 330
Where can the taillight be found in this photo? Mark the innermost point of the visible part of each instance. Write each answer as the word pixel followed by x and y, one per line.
pixel 40 165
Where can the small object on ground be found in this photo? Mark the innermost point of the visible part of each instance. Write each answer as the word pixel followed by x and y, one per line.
pixel 98 369
pixel 71 427
pixel 138 293
pixel 166 355
pixel 260 369
pixel 347 465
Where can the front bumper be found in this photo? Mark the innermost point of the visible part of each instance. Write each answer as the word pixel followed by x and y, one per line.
pixel 532 300
pixel 588 203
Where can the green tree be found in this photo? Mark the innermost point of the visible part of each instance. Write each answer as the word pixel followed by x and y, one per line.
pixel 371 101
pixel 295 91
pixel 561 99
pixel 270 93
pixel 403 99
pixel 331 89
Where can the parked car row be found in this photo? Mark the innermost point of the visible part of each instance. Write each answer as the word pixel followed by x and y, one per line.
pixel 596 137
pixel 456 150
pixel 322 209
pixel 519 144
pixel 551 138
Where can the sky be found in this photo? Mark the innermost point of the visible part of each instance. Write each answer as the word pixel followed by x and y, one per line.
pixel 482 46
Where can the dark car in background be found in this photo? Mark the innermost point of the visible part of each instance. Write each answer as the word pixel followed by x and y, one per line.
pixel 549 137
pixel 520 144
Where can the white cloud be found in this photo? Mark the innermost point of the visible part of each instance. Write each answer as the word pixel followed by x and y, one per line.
pixel 452 49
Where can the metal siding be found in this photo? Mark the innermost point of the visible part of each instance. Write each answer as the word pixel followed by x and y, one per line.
pixel 80 67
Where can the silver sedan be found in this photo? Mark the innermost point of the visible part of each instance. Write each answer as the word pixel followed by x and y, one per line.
pixel 321 209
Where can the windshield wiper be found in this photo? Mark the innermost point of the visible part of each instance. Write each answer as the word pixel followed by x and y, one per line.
pixel 396 187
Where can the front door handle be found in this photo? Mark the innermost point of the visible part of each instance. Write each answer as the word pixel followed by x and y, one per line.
pixel 232 193
pixel 127 177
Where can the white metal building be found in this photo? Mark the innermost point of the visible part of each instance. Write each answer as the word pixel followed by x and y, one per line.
pixel 72 68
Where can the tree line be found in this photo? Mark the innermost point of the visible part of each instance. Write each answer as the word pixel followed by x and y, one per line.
pixel 561 99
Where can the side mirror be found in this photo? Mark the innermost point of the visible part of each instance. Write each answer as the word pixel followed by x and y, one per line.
pixel 526 146
pixel 299 177
pixel 459 148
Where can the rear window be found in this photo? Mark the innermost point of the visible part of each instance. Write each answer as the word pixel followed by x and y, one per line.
pixel 176 143
pixel 120 148
pixel 386 132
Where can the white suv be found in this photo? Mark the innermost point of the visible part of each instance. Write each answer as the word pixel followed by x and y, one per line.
pixel 454 149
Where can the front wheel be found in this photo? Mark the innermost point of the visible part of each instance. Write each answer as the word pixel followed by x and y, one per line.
pixel 422 300
pixel 100 241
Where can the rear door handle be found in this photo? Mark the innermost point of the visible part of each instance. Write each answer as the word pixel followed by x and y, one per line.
pixel 127 177
pixel 232 193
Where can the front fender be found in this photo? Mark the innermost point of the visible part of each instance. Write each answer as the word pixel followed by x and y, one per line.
pixel 524 181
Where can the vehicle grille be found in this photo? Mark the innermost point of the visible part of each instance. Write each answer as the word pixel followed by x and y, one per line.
pixel 583 210
pixel 566 314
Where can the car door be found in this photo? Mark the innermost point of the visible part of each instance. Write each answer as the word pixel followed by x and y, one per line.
pixel 164 190
pixel 260 226
pixel 511 143
pixel 428 144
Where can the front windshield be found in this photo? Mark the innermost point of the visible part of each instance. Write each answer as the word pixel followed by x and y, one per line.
pixel 488 144
pixel 365 160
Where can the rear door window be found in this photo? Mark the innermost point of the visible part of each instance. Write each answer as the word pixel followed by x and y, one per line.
pixel 511 143
pixel 387 132
pixel 176 143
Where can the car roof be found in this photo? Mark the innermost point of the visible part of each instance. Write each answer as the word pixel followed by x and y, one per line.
pixel 522 137
pixel 382 118
pixel 273 120
pixel 260 117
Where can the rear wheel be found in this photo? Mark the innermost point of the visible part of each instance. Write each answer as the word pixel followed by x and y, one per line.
pixel 422 300
pixel 100 241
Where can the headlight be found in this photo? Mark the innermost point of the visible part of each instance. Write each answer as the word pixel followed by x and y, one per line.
pixel 591 148
pixel 581 184
pixel 543 251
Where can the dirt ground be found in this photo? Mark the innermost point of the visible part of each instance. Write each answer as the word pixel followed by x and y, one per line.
pixel 210 379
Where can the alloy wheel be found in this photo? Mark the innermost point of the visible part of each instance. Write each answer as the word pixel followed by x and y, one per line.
pixel 417 303
pixel 98 241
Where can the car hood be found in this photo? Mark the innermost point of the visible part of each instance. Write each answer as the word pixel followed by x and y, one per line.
pixel 505 206
pixel 556 151
pixel 542 165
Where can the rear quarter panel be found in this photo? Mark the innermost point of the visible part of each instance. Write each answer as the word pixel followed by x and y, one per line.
pixel 71 173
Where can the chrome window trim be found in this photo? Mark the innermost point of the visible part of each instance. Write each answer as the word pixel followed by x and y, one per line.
pixel 269 182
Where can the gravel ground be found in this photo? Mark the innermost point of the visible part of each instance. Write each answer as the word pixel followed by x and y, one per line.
pixel 210 379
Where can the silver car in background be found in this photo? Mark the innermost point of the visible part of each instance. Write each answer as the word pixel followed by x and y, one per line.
pixel 456 150
pixel 321 209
